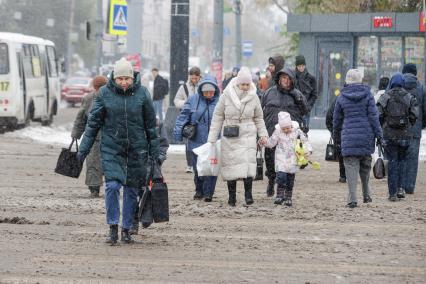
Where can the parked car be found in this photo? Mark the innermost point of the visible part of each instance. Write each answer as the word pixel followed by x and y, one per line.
pixel 75 88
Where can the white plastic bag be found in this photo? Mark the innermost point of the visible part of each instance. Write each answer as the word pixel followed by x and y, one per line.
pixel 208 160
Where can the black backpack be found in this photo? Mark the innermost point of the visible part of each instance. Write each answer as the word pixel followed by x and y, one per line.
pixel 397 111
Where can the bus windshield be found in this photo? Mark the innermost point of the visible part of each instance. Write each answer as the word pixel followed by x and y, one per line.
pixel 4 59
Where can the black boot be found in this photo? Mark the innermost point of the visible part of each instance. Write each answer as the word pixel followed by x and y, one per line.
pixel 232 190
pixel 125 236
pixel 287 197
pixel 113 235
pixel 198 195
pixel 94 191
pixel 270 189
pixel 280 196
pixel 135 227
pixel 248 184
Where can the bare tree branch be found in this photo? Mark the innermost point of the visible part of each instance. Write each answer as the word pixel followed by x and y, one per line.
pixel 280 7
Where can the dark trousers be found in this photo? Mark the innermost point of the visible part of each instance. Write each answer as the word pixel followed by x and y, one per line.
pixel 412 165
pixel 285 180
pixel 203 185
pixel 270 164
pixel 396 152
pixel 342 171
pixel 188 154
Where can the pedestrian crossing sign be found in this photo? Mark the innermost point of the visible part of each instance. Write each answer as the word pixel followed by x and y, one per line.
pixel 118 17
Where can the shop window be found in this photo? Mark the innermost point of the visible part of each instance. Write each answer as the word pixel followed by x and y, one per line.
pixel 414 53
pixel 391 55
pixel 366 59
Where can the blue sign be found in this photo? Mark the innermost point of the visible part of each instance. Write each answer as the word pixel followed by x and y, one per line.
pixel 118 17
pixel 247 48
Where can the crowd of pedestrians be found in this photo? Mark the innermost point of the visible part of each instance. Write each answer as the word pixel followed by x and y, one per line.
pixel 122 132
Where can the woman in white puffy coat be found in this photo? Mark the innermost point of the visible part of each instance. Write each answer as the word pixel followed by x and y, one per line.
pixel 239 106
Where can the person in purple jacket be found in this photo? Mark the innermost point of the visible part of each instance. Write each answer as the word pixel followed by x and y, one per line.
pixel 356 118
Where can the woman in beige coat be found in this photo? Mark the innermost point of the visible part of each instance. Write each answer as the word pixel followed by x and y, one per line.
pixel 239 110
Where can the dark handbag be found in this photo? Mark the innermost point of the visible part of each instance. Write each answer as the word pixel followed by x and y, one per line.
pixel 67 164
pixel 379 170
pixel 330 151
pixel 189 130
pixel 231 131
pixel 259 164
pixel 145 209
pixel 159 195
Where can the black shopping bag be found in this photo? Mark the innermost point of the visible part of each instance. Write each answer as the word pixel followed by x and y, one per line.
pixel 159 195
pixel 67 164
pixel 145 209
pixel 379 170
pixel 330 151
pixel 259 164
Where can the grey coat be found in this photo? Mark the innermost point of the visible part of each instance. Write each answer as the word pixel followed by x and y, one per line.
pixel 93 161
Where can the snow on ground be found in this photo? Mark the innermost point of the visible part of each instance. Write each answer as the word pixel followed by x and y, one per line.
pixel 61 135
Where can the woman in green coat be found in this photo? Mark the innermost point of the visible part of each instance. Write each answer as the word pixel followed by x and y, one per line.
pixel 125 113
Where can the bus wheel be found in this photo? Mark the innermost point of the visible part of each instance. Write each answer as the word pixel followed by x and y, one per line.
pixel 52 112
pixel 29 115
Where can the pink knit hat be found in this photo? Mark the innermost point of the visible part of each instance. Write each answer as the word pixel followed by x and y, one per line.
pixel 244 76
pixel 284 119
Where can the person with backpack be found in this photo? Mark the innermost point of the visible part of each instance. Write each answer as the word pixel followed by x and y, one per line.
pixel 414 87
pixel 184 92
pixel 398 113
pixel 356 124
pixel 161 89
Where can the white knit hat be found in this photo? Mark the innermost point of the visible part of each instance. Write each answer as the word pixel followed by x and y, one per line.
pixel 284 119
pixel 244 76
pixel 123 68
pixel 354 76
pixel 207 87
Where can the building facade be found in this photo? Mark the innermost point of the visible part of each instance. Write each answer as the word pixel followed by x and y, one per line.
pixel 378 44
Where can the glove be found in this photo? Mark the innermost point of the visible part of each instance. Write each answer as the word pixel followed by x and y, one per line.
pixel 80 157
pixel 297 98
pixel 381 142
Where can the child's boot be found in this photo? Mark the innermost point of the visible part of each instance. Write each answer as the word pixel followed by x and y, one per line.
pixel 287 197
pixel 280 195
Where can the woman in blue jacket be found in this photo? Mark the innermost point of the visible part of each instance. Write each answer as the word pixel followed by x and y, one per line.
pixel 199 110
pixel 356 121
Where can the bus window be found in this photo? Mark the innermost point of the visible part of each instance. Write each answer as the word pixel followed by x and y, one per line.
pixel 52 63
pixel 28 69
pixel 35 62
pixel 4 59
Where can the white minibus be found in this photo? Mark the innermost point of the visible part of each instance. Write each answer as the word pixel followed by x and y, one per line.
pixel 29 81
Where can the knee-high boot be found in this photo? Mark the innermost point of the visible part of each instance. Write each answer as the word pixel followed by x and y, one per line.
pixel 232 190
pixel 248 184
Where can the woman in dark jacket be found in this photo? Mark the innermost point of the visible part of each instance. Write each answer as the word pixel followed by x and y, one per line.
pixel 199 110
pixel 356 121
pixel 124 111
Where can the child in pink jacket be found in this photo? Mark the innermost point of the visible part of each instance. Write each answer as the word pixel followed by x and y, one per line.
pixel 284 138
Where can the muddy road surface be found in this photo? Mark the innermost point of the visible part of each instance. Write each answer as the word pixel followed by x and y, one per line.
pixel 52 232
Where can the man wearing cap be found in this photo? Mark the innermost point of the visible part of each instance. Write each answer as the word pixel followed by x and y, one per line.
pixel 124 111
pixel 356 120
pixel 307 84
pixel 93 163
pixel 198 110
pixel 275 64
pixel 415 88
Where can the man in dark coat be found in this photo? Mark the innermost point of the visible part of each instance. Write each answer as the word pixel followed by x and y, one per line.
pixel 307 84
pixel 356 121
pixel 276 63
pixel 398 113
pixel 124 111
pixel 414 87
pixel 282 97
pixel 161 89
pixel 94 176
